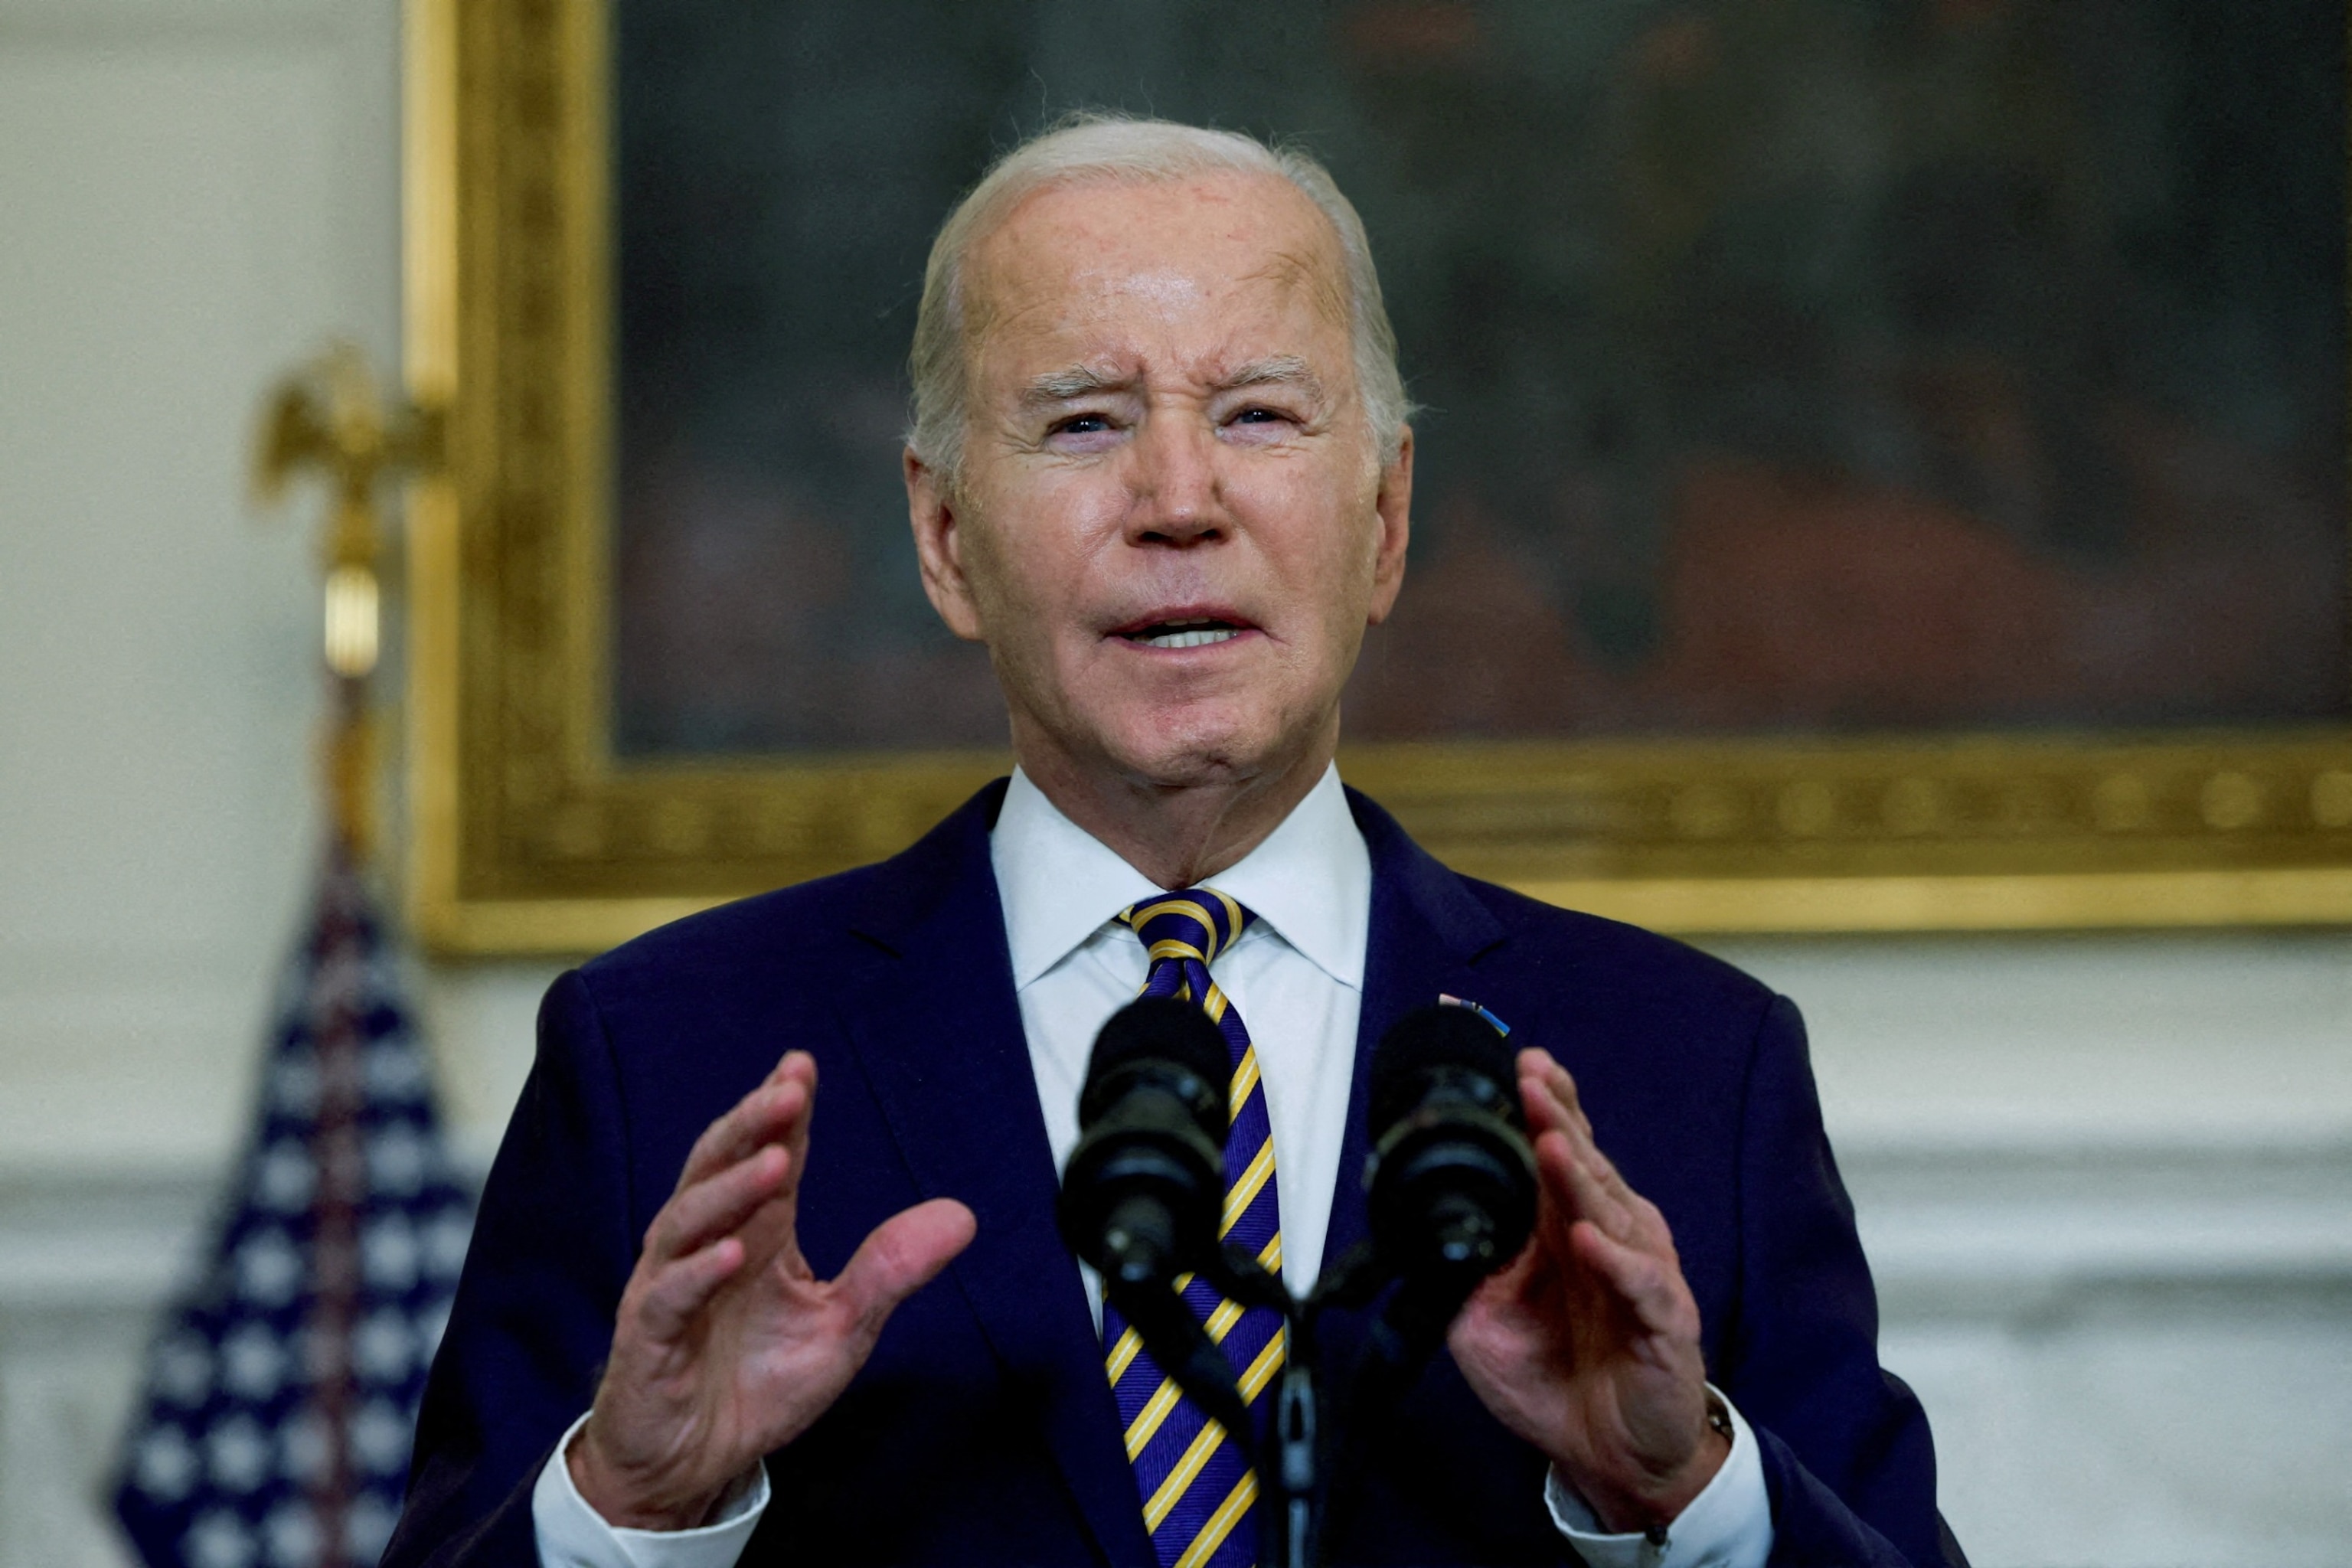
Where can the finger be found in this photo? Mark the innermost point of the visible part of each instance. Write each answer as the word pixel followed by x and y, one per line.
pixel 1577 1191
pixel 799 1067
pixel 766 1115
pixel 763 1116
pixel 1644 1226
pixel 1649 1285
pixel 1547 1113
pixel 1551 1093
pixel 904 1254
pixel 772 1232
pixel 1544 1080
pixel 716 1206
pixel 677 1292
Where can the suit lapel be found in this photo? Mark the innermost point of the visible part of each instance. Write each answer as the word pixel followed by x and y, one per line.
pixel 939 1033
pixel 1427 932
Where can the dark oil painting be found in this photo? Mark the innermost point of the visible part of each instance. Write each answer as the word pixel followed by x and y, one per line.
pixel 1786 366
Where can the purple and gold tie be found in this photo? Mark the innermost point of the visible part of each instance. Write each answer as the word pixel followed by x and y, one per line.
pixel 1199 1492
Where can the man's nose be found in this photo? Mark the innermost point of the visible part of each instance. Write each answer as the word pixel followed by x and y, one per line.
pixel 1175 485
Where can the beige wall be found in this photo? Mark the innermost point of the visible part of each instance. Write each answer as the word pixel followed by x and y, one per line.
pixel 2108 1182
pixel 191 196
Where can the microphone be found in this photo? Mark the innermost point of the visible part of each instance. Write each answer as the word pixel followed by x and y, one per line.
pixel 1452 1177
pixel 1452 1185
pixel 1144 1189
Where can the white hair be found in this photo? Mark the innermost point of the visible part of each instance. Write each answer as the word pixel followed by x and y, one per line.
pixel 1092 148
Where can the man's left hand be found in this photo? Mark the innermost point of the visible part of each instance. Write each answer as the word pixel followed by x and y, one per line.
pixel 1587 1344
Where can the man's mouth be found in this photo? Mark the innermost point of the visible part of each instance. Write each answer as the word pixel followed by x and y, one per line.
pixel 1194 633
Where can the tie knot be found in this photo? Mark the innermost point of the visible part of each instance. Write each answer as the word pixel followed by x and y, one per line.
pixel 1197 923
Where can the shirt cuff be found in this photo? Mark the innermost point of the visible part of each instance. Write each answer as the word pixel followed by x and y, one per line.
pixel 571 1534
pixel 1728 1525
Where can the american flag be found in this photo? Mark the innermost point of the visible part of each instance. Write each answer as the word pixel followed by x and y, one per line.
pixel 281 1395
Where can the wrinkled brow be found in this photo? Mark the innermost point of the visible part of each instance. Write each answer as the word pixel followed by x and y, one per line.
pixel 1274 370
pixel 1078 381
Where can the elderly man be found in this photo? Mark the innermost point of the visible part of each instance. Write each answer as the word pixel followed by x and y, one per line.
pixel 1159 468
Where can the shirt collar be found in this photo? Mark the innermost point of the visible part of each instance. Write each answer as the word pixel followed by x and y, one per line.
pixel 1311 881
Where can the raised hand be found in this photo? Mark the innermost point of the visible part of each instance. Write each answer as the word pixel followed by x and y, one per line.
pixel 726 1345
pixel 1587 1344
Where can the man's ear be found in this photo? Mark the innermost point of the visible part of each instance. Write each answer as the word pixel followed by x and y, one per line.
pixel 932 511
pixel 1394 505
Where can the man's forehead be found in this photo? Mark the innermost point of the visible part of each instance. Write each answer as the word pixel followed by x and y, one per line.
pixel 1163 246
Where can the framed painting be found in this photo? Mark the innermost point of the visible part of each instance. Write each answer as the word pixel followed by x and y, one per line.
pixel 1880 467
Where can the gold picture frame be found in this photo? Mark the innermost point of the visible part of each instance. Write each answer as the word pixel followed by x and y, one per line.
pixel 530 837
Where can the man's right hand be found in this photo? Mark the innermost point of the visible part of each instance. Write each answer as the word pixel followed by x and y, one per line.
pixel 726 1346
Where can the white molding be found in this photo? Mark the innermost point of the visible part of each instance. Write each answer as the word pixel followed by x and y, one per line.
pixel 117 23
pixel 2027 1234
pixel 77 1242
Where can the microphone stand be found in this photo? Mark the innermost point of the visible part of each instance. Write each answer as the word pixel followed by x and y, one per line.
pixel 1292 1476
pixel 1289 1484
pixel 1186 1353
pixel 1293 1468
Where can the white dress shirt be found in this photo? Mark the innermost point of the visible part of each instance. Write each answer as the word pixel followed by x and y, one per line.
pixel 1297 977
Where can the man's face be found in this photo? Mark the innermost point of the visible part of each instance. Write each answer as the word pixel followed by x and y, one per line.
pixel 1172 524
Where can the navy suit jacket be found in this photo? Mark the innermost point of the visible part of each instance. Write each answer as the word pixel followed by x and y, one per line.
pixel 982 1430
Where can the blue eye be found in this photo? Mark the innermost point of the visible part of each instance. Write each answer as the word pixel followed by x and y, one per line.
pixel 1080 424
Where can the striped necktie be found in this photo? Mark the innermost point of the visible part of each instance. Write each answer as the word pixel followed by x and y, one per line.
pixel 1197 1487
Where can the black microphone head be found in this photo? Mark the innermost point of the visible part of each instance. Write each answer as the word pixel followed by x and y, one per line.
pixel 1451 1178
pixel 1440 1038
pixel 1154 1028
pixel 1143 1189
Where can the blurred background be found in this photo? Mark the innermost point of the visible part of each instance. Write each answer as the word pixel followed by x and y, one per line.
pixel 1785 365
pixel 2106 1181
